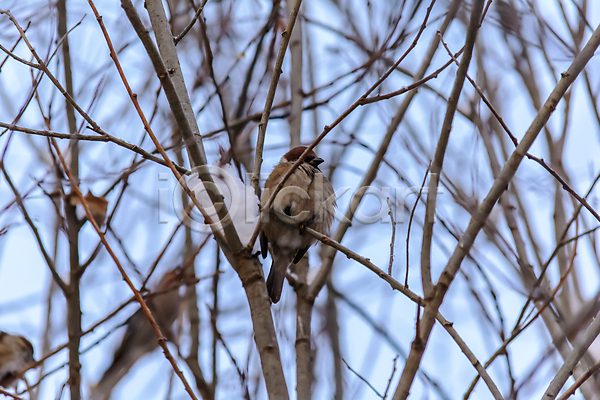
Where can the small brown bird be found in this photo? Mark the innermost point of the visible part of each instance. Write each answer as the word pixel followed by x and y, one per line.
pixel 16 353
pixel 306 200
pixel 140 338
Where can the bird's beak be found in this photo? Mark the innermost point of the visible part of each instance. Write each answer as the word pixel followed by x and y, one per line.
pixel 315 162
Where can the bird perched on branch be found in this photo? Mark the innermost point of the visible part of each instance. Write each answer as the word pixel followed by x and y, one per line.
pixel 306 199
pixel 140 338
pixel 16 353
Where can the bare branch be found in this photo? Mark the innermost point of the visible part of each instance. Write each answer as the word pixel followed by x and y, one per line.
pixel 478 220
pixel 277 71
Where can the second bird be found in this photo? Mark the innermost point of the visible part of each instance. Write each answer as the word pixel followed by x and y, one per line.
pixel 140 338
pixel 16 353
pixel 306 200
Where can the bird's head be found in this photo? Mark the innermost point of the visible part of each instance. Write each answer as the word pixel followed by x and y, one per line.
pixel 19 344
pixel 26 349
pixel 294 154
pixel 171 279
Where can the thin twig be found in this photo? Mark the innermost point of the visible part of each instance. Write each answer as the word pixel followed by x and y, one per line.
pixel 369 177
pixel 296 82
pixel 262 126
pixel 410 87
pixel 481 214
pixel 38 237
pixel 162 341
pixel 565 185
pixel 157 144
pixel 241 374
pixel 19 59
pixel 393 240
pixel 412 214
pixel 514 140
pixel 329 128
pixel 584 377
pixel 387 388
pixel 417 300
pixel 13 47
pixel 440 150
pixel 363 379
pixel 55 81
pixel 177 38
pixel 9 394
pixel 104 138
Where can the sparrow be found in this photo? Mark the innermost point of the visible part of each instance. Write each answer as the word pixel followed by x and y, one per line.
pixel 306 199
pixel 16 353
pixel 98 207
pixel 140 338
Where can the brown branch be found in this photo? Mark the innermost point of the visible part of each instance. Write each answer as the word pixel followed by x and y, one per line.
pixel 579 349
pixel 103 138
pixel 393 239
pixel 206 389
pixel 162 341
pixel 38 238
pixel 226 221
pixel 277 71
pixel 9 394
pixel 55 81
pixel 565 185
pixel 363 379
pixel 479 217
pixel 304 353
pixel 332 327
pixel 318 284
pixel 174 89
pixel 303 343
pixel 514 140
pixel 73 294
pixel 296 81
pixel 410 87
pixel 440 151
pixel 246 265
pixel 389 384
pixel 214 315
pixel 369 177
pixel 410 220
pixel 19 59
pixel 185 31
pixel 580 381
pixel 395 285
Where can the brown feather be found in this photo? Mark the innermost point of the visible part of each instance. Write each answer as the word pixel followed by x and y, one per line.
pixel 306 199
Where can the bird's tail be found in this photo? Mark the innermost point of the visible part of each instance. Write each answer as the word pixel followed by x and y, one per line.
pixel 112 376
pixel 277 277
